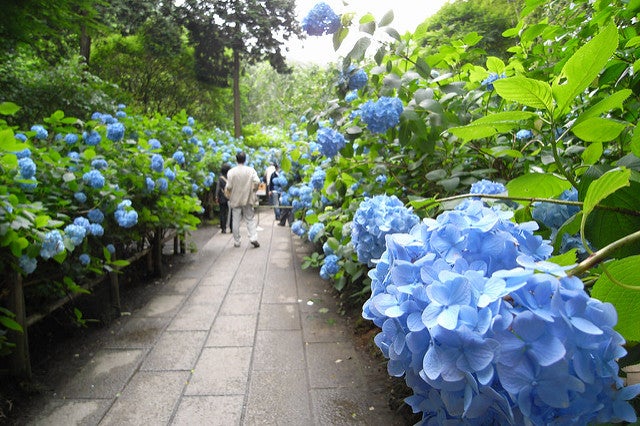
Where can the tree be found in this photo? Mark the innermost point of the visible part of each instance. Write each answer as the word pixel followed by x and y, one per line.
pixel 227 33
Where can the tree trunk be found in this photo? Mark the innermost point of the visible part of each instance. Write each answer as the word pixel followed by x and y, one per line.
pixel 237 125
pixel 85 41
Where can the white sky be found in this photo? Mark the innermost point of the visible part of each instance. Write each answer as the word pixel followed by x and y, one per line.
pixel 319 50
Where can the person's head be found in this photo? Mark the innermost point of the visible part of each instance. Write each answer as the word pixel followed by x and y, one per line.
pixel 224 169
pixel 241 157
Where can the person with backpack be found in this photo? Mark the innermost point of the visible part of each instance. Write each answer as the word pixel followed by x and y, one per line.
pixel 223 201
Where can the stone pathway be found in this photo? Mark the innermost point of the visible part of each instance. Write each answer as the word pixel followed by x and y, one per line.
pixel 237 336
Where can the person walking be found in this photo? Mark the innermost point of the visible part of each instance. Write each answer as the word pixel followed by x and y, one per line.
pixel 242 184
pixel 221 198
pixel 272 190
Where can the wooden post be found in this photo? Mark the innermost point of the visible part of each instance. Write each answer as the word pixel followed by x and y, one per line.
pixel 20 356
pixel 176 244
pixel 156 252
pixel 114 288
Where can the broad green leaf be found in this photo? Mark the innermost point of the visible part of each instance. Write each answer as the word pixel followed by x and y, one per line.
pixel 495 64
pixel 635 142
pixel 386 19
pixel 8 108
pixel 9 143
pixel 537 185
pixel 626 301
pixel 365 19
pixel 368 27
pixel 10 324
pixel 565 259
pixel 339 36
pixel 609 103
pixel 596 129
pixel 602 187
pixel 359 49
pixel 286 163
pixel 493 124
pixel 583 67
pixel 527 91
pixel 423 68
pixel 592 153
pixel 393 33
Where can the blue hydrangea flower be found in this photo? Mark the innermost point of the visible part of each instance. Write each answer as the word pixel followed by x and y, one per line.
pixel 326 249
pixel 209 180
pixel 94 179
pixel 27 168
pixel 317 179
pixel 52 244
pixel 155 144
pixel 27 264
pixel 71 138
pixel 191 121
pixel 330 141
pixel 150 184
pixel 351 96
pixel 524 134
pixel 381 179
pixel 162 184
pixel 121 114
pixel 315 231
pixel 375 218
pixel 487 187
pixel 115 131
pixel 357 79
pixel 488 82
pixel 178 157
pixel 481 336
pixel 82 221
pixel 21 137
pixel 41 132
pixel 80 197
pixel 381 115
pixel 95 215
pixel 91 138
pixel 321 20
pixel 84 259
pixel 95 229
pixel 75 233
pixel 187 130
pixel 125 215
pixel 298 228
pixel 99 164
pixel 157 163
pixel 25 153
pixel 111 248
pixel 170 174
pixel 329 267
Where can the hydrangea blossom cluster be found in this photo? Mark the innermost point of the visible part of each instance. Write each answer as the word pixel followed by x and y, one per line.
pixel 94 179
pixel 330 266
pixel 330 141
pixel 178 157
pixel 375 218
pixel 357 79
pixel 317 179
pixel 27 264
pixel 321 20
pixel 487 187
pixel 298 228
pixel 157 163
pixel 553 216
pixel 125 215
pixel 315 230
pixel 40 131
pixel 52 244
pixel 91 138
pixel 382 114
pixel 115 131
pixel 482 338
pixel 27 168
pixel 488 82
pixel 524 134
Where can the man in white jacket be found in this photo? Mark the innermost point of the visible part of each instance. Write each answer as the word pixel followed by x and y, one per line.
pixel 242 184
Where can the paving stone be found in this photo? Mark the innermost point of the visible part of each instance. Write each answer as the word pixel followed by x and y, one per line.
pixel 240 304
pixel 278 350
pixel 72 412
pixel 149 399
pixel 350 406
pixel 220 410
pixel 176 350
pixel 182 285
pixel 220 371
pixel 279 317
pixel 333 365
pixel 162 305
pixel 194 317
pixel 138 332
pixel 233 330
pixel 104 375
pixel 320 326
pixel 208 295
pixel 278 398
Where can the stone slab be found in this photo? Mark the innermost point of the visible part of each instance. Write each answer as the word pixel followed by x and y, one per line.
pixel 233 330
pixel 175 350
pixel 138 332
pixel 72 412
pixel 220 371
pixel 162 305
pixel 279 350
pixel 240 304
pixel 279 317
pixel 208 410
pixel 333 365
pixel 194 317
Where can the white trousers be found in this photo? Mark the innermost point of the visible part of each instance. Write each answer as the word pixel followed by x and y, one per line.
pixel 247 214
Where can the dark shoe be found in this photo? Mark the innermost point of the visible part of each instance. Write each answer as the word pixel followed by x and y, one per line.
pixel 280 224
pixel 224 231
pixel 255 244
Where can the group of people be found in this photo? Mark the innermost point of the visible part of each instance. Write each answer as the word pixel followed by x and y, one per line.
pixel 236 197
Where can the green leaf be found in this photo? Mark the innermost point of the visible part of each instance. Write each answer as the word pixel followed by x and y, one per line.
pixel 368 27
pixel 583 67
pixel 423 69
pixel 10 324
pixel 606 105
pixel 635 142
pixel 393 33
pixel 537 185
pixel 598 129
pixel 359 49
pixel 592 153
pixel 8 108
pixel 339 36
pixel 527 91
pixel 626 301
pixel 492 124
pixel 565 259
pixel 604 186
pixel 386 19
pixel 9 143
